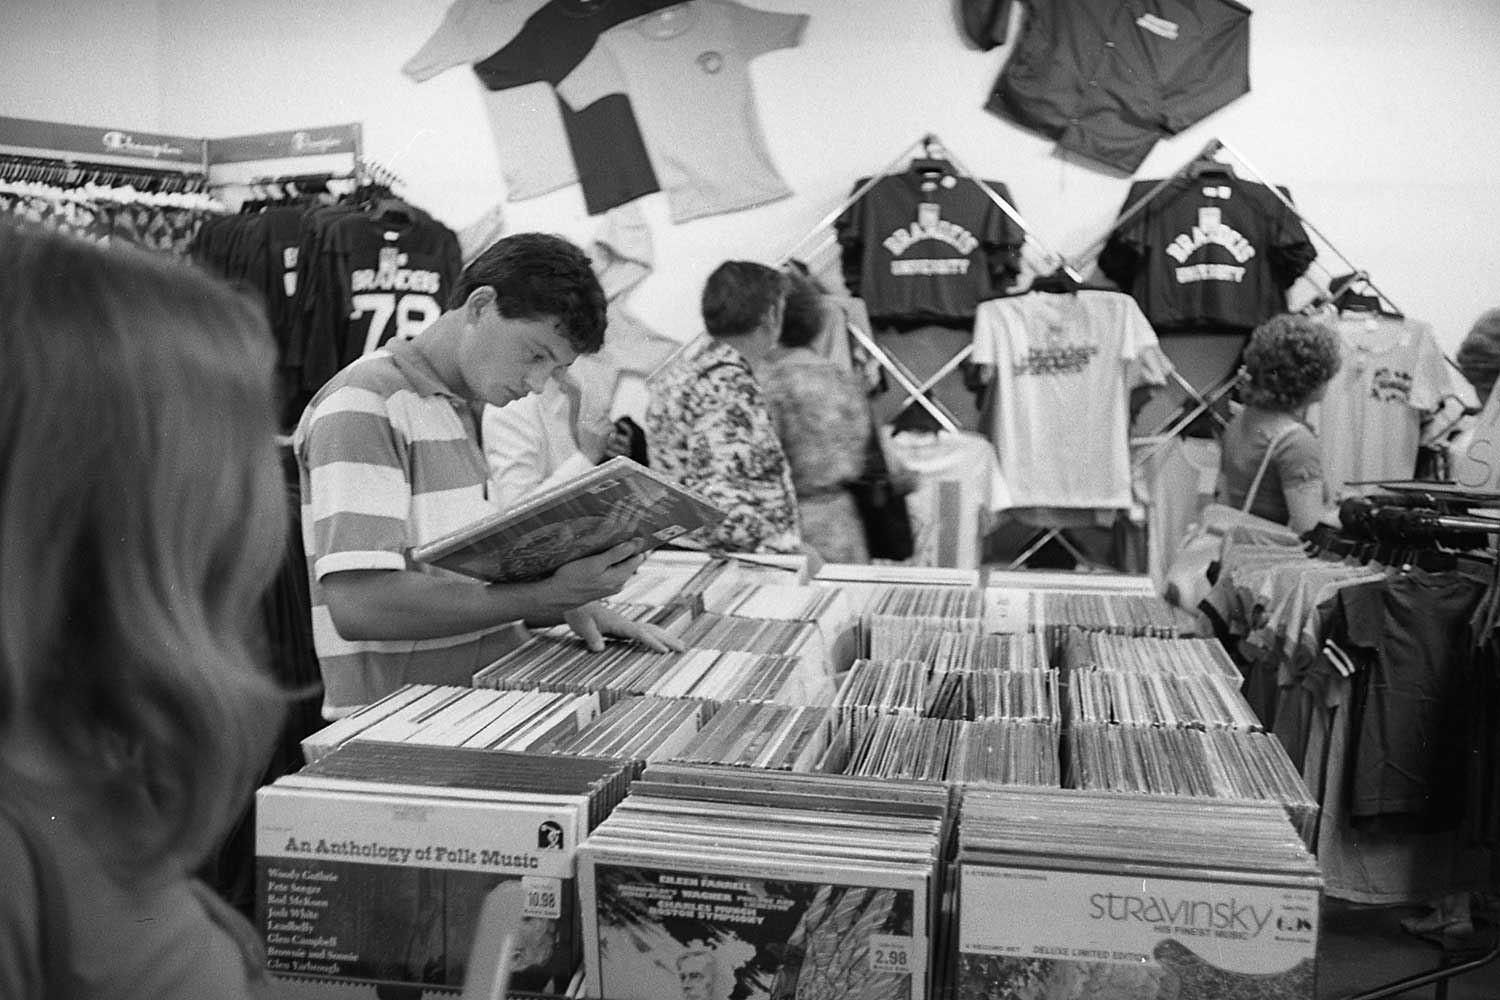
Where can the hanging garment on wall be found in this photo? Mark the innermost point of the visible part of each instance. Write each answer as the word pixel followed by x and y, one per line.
pixel 985 22
pixel 1369 422
pixel 373 275
pixel 524 121
pixel 920 249
pixel 686 70
pixel 1107 80
pixel 526 46
pixel 1214 252
pixel 959 488
pixel 1063 367
pixel 603 136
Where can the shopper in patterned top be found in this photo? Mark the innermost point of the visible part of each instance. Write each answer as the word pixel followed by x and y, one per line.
pixel 820 414
pixel 707 425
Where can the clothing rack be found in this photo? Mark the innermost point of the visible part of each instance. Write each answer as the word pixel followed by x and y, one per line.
pixel 930 148
pixel 69 173
pixel 66 156
pixel 1406 518
pixel 820 237
pixel 1205 399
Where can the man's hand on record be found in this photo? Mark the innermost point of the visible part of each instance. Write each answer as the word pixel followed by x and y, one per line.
pixel 593 622
pixel 588 579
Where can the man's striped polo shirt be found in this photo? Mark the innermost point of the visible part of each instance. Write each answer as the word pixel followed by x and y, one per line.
pixel 389 458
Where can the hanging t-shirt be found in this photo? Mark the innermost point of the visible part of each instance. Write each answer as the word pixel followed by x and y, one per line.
pixel 524 121
pixel 921 250
pixel 687 72
pixel 959 487
pixel 606 144
pixel 1064 365
pixel 1212 253
pixel 1107 80
pixel 1369 422
pixel 375 278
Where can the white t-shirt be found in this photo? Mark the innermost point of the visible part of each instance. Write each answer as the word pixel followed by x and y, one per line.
pixel 1064 365
pixel 1369 423
pixel 959 488
pixel 472 30
pixel 686 70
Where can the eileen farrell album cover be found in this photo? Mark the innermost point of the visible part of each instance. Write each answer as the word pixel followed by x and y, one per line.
pixel 701 936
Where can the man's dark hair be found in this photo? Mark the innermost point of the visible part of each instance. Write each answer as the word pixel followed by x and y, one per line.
pixel 537 274
pixel 738 295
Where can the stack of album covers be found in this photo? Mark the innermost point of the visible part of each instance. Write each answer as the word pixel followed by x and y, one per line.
pixel 376 865
pixel 1006 752
pixel 892 617
pixel 988 653
pixel 1146 654
pixel 642 730
pixel 897 687
pixel 1152 699
pixel 1121 614
pixel 897 573
pixel 759 635
pixel 772 737
pixel 553 663
pixel 951 650
pixel 1228 764
pixel 892 746
pixel 723 570
pixel 459 716
pixel 779 888
pixel 1071 894
pixel 986 752
pixel 915 688
pixel 1019 695
pixel 827 607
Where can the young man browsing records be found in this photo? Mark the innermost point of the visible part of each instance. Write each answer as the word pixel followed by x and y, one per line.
pixel 390 457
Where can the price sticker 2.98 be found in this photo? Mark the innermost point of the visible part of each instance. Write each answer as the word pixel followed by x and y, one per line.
pixel 543 897
pixel 891 953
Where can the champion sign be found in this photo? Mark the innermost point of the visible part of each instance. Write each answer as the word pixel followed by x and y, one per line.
pixel 124 142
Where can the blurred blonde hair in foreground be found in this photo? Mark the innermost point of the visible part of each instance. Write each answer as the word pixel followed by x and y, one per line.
pixel 142 515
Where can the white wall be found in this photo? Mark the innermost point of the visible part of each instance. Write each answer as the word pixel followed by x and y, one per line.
pixel 82 62
pixel 1376 113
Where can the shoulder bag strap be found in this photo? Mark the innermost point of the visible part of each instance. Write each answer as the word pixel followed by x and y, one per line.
pixel 1265 463
pixel 54 935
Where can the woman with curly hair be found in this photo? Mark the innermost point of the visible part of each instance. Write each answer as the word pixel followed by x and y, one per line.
pixel 1288 364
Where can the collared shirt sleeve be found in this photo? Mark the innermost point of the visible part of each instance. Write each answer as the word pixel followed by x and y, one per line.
pixel 356 496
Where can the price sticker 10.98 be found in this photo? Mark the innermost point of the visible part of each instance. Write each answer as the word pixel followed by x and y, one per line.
pixel 891 953
pixel 543 897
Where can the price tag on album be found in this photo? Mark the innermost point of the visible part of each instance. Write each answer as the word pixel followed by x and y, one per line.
pixel 1009 610
pixel 891 953
pixel 543 897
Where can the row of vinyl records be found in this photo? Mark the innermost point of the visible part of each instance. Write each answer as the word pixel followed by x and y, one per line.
pixel 1199 761
pixel 431 867
pixel 792 800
